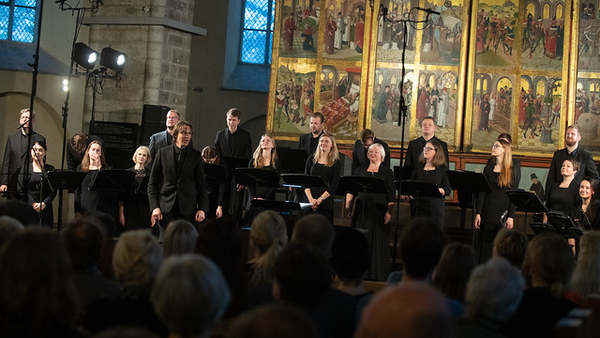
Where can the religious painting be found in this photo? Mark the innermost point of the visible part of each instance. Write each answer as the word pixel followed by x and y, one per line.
pixel 344 33
pixel 390 30
pixel 385 107
pixel 294 99
pixel 492 107
pixel 587 112
pixel 496 22
pixel 543 40
pixel 442 37
pixel 589 37
pixel 299 32
pixel 539 102
pixel 340 99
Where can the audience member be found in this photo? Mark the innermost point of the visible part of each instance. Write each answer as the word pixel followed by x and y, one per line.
pixel 512 245
pixel 493 295
pixel 19 210
pixel 190 295
pixel 316 230
pixel 547 269
pixel 125 332
pixel 273 321
pixel 452 272
pixel 38 297
pixel 267 238
pixel 180 238
pixel 586 276
pixel 8 228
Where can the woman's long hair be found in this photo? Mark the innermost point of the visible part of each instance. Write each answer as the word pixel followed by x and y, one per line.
pixel 258 155
pixel 333 154
pixel 439 158
pixel 505 180
pixel 269 235
pixel 85 163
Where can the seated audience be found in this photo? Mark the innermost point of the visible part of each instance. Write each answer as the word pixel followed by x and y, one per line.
pixel 273 321
pixel 547 269
pixel 8 227
pixel 586 276
pixel 493 294
pixel 19 210
pixel 316 230
pixel 180 238
pixel 125 332
pixel 136 260
pixel 38 297
pixel 512 245
pixel 190 295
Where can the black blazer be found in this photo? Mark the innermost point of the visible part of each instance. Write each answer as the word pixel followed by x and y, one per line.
pixel 587 167
pixel 13 154
pixel 241 149
pixel 304 143
pixel 415 148
pixel 359 158
pixel 160 140
pixel 188 188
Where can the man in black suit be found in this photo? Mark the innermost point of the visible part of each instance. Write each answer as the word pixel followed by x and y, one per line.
pixel 17 147
pixel 359 153
pixel 177 189
pixel 415 147
pixel 234 141
pixel 587 167
pixel 165 137
pixel 310 141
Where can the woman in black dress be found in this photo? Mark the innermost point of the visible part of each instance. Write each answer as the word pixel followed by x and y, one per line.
pixel 494 209
pixel 134 210
pixel 265 157
pixel 587 216
pixel 377 212
pixel 325 162
pixel 39 192
pixel 431 168
pixel 217 191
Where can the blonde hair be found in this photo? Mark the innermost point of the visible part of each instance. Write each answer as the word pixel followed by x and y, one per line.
pixel 136 259
pixel 506 170
pixel 147 150
pixel 333 154
pixel 269 235
pixel 258 156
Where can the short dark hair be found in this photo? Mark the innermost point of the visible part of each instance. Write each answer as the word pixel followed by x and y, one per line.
pixel 84 239
pixel 235 113
pixel 505 136
pixel 319 115
pixel 316 230
pixel 428 118
pixel 350 253
pixel 366 134
pixel 512 245
pixel 179 127
pixel 421 247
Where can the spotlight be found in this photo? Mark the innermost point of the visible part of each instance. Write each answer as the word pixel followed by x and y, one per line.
pixel 113 59
pixel 65 85
pixel 84 56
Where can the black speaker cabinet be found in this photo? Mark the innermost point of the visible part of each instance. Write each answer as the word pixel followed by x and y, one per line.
pixel 153 121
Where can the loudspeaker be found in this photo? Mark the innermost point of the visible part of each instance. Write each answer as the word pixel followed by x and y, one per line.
pixel 153 120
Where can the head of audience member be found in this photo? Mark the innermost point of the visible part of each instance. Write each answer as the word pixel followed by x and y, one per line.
pixel 38 152
pixel 434 153
pixel 328 148
pixel 302 275
pixel 586 276
pixel 350 255
pixel 452 272
pixel 38 297
pixel 190 295
pixel 125 332
pixel 316 230
pixel 376 153
pixel 182 134
pixel 494 290
pixel 9 227
pixel 136 259
pixel 408 312
pixel 428 127
pixel 180 238
pixel 367 137
pixel 572 136
pixel 317 123
pixel 25 116
pixel 588 189
pixel 266 144
pixel 512 245
pixel 220 240
pixel 107 222
pixel 421 245
pixel 211 155
pixel 79 142
pixel 142 157
pixel 234 117
pixel 273 320
pixel 506 137
pixel 93 156
pixel 84 239
pixel 173 117
pixel 267 238
pixel 549 263
pixel 19 210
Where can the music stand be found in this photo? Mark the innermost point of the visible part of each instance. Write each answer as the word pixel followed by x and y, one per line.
pixel 235 197
pixel 419 189
pixel 564 225
pixel 292 160
pixel 112 180
pixel 71 180
pixel 298 181
pixel 255 178
pixel 526 201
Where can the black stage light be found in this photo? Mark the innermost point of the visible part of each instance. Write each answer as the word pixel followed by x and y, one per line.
pixel 84 56
pixel 113 59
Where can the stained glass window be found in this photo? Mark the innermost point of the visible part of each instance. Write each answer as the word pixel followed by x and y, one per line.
pixel 257 35
pixel 17 20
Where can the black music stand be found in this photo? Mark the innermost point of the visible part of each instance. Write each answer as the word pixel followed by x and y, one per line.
pixel 299 181
pixel 235 162
pixel 366 185
pixel 112 180
pixel 526 201
pixel 71 180
pixel 292 160
pixel 564 225
pixel 252 177
pixel 215 172
pixel 419 189
pixel 471 184
pixel 235 197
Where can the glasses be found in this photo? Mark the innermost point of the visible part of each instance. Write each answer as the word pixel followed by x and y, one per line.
pixel 494 146
pixel 428 149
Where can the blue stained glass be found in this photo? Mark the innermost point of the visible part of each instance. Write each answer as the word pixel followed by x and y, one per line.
pixel 23 24
pixel 270 46
pixel 272 16
pixel 255 14
pixel 27 3
pixel 4 13
pixel 253 46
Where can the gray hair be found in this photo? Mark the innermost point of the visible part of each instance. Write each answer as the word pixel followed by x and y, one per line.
pixel 494 290
pixel 381 150
pixel 136 259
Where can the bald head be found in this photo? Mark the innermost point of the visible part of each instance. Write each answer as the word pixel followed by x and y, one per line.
pixel 408 312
